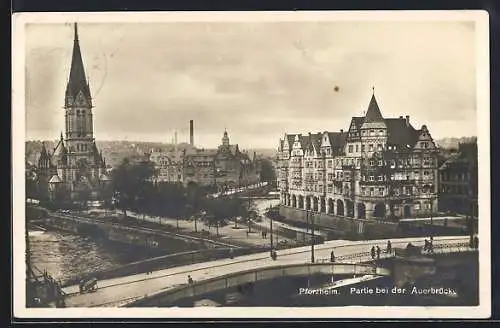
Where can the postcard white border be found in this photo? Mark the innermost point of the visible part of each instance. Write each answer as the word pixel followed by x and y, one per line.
pixel 18 153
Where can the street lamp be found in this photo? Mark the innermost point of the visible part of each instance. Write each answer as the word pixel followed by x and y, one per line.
pixel 312 238
pixel 271 229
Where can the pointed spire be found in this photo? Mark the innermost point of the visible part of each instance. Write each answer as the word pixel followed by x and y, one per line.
pixel 77 80
pixel 76 31
pixel 62 138
pixel 373 113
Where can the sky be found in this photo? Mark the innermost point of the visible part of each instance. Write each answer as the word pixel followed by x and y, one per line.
pixel 257 80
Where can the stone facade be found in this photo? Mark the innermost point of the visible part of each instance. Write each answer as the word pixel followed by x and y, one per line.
pixel 378 168
pixel 224 167
pixel 75 168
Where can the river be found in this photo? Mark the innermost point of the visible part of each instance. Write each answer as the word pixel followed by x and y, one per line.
pixel 65 255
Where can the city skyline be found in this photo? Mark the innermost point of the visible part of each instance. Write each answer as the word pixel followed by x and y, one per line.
pixel 143 80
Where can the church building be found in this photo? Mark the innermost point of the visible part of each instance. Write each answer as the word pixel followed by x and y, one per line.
pixel 75 168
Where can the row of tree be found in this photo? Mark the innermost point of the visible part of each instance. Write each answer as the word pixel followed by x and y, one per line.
pixel 136 190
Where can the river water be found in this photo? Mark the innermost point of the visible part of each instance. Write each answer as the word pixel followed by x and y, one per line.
pixel 65 255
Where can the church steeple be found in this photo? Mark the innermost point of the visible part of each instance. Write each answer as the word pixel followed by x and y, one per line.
pixel 77 82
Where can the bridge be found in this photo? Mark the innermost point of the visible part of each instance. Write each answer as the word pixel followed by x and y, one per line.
pixel 203 287
pixel 124 291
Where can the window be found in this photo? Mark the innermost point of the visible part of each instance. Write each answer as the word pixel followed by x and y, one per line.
pixel 330 176
pixel 328 151
pixel 392 176
pixel 372 162
pixel 362 148
pixel 372 178
pixel 380 178
pixel 372 190
pixel 380 163
pixel 329 188
pixel 417 206
pixel 357 148
pixel 372 132
pixel 330 162
pixel 350 148
pixel 379 147
pixel 381 191
pixel 370 147
pixel 380 132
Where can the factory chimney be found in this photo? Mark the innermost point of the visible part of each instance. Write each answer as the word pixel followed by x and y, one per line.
pixel 191 133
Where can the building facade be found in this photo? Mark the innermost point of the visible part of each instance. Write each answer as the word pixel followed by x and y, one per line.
pixel 224 167
pixel 378 168
pixel 75 168
pixel 459 181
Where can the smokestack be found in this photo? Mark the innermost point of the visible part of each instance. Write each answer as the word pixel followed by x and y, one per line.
pixel 407 120
pixel 191 133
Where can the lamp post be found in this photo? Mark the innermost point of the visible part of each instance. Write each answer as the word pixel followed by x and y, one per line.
pixel 271 230
pixel 312 238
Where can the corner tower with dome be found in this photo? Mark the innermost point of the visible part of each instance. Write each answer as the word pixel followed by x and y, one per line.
pixel 75 168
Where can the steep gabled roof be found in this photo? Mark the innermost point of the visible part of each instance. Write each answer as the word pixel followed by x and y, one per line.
pixel 358 121
pixel 337 139
pixel 400 132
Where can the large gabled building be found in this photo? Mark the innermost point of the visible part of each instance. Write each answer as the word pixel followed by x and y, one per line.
pixel 224 167
pixel 380 167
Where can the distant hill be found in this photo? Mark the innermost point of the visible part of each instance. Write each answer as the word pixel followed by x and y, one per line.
pixel 450 143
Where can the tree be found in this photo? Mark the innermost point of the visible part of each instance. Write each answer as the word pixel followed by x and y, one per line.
pixel 129 183
pixel 31 186
pixel 267 171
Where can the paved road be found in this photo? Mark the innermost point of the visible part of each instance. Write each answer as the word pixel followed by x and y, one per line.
pixel 118 291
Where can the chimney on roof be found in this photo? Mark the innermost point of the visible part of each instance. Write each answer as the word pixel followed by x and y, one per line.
pixel 401 117
pixel 407 120
pixel 341 130
pixel 191 133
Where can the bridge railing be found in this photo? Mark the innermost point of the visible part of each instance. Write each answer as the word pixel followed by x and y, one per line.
pixel 438 248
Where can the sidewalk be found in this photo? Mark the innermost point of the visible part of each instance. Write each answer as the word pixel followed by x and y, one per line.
pixel 228 233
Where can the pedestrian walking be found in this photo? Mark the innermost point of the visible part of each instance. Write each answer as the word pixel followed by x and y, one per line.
pixel 389 247
pixel 190 280
pixel 332 257
pixel 378 252
pixel 373 252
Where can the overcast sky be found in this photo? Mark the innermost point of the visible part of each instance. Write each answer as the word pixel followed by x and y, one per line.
pixel 259 80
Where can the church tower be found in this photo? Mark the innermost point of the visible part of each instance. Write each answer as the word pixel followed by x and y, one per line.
pixel 78 107
pixel 75 167
pixel 225 139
